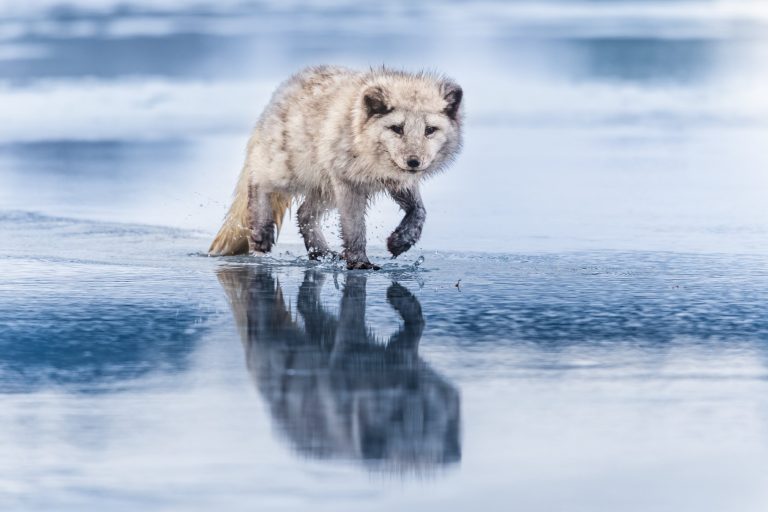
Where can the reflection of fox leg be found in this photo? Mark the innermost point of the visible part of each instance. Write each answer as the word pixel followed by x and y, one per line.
pixel 309 292
pixel 319 324
pixel 235 281
pixel 351 328
pixel 407 305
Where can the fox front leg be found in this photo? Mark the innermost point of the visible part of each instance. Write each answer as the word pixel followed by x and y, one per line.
pixel 352 204
pixel 408 231
pixel 310 215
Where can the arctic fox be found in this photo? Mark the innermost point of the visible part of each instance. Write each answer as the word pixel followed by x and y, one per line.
pixel 333 138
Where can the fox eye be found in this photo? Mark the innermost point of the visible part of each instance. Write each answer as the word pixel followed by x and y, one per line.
pixel 397 128
pixel 429 130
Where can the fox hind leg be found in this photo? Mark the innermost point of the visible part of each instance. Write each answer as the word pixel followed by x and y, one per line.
pixel 261 221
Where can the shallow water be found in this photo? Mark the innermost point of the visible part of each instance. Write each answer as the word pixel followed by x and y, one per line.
pixel 151 377
pixel 582 328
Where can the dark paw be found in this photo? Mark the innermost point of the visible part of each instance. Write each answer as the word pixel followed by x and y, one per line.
pixel 362 265
pixel 259 249
pixel 397 244
pixel 261 241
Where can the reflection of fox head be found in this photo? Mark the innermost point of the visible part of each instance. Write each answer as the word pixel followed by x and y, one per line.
pixel 331 387
pixel 409 123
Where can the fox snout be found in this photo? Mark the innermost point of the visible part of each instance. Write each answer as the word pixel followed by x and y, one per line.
pixel 413 163
pixel 412 160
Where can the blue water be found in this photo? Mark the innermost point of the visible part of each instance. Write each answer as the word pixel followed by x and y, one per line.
pixel 582 328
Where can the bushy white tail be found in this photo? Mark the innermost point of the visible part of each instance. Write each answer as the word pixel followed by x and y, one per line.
pixel 234 234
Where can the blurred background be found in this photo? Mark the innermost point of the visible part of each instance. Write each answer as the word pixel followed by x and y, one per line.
pixel 590 124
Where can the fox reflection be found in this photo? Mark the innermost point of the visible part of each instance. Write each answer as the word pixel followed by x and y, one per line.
pixel 331 386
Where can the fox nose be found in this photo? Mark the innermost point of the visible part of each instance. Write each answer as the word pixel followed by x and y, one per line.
pixel 413 162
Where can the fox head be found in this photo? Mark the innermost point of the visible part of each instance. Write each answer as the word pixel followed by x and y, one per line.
pixel 411 123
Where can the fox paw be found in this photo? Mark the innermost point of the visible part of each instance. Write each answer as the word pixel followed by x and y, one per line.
pixel 260 242
pixel 398 243
pixel 362 265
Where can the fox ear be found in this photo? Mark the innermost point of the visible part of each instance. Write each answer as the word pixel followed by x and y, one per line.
pixel 376 102
pixel 452 95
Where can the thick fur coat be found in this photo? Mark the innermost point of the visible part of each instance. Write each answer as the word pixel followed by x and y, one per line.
pixel 332 138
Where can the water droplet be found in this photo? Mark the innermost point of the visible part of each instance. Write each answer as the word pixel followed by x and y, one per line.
pixel 418 262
